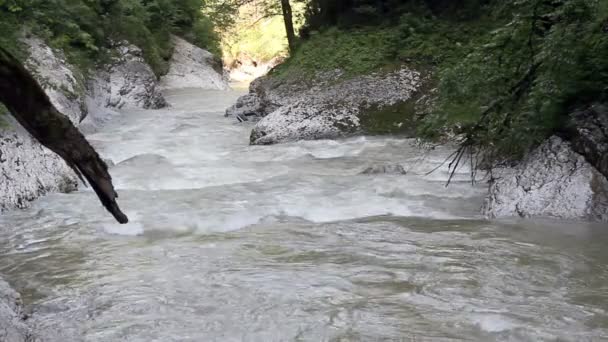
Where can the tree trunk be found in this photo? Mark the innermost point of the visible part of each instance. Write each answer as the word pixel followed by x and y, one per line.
pixel 288 18
pixel 30 105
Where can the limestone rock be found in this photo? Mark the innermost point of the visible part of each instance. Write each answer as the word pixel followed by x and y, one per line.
pixel 193 67
pixel 28 170
pixel 553 181
pixel 12 325
pixel 304 122
pixel 247 105
pixel 326 107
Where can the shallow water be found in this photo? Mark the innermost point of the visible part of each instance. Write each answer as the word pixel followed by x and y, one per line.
pixel 231 242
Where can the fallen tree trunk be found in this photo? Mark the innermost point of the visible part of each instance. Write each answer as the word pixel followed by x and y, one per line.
pixel 30 105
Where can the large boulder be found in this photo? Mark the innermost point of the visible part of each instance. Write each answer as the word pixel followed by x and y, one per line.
pixel 28 170
pixel 12 324
pixel 328 105
pixel 553 181
pixel 62 82
pixel 193 67
pixel 126 82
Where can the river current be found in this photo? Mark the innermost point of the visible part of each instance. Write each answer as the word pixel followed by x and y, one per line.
pixel 231 242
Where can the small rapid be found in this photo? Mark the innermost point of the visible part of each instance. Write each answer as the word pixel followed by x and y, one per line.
pixel 232 242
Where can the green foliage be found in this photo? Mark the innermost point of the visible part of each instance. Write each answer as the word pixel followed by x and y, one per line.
pixel 354 51
pixel 86 29
pixel 262 41
pixel 256 30
pixel 516 89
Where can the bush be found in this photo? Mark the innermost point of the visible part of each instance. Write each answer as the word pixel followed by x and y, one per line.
pixel 514 90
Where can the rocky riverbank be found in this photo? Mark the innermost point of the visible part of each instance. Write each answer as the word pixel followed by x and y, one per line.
pixel 327 105
pixel 28 170
pixel 564 178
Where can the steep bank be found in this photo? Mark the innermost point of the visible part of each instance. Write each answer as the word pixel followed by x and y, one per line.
pixel 28 170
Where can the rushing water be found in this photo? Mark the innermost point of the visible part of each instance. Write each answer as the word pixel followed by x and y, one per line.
pixel 231 242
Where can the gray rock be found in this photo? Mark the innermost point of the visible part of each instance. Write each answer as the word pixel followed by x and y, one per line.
pixel 12 324
pixel 28 170
pixel 387 169
pixel 127 82
pixel 553 181
pixel 326 107
pixel 247 105
pixel 304 122
pixel 193 67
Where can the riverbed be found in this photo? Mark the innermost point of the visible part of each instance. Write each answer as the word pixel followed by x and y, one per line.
pixel 232 242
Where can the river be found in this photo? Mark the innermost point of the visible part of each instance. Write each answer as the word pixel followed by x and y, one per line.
pixel 231 242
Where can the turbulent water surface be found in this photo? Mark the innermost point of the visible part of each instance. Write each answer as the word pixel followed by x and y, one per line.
pixel 231 242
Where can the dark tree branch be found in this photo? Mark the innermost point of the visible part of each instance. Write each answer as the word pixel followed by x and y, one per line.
pixel 30 105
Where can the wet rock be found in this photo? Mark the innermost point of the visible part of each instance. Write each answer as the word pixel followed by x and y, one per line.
pixel 325 107
pixel 387 169
pixel 553 181
pixel 247 105
pixel 304 122
pixel 28 170
pixel 12 324
pixel 193 67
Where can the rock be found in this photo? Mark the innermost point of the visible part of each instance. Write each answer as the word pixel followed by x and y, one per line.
pixel 327 106
pixel 553 181
pixel 12 323
pixel 126 82
pixel 304 122
pixel 61 81
pixel 588 134
pixel 247 105
pixel 28 170
pixel 193 67
pixel 389 169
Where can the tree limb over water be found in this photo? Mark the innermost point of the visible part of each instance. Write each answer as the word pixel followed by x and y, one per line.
pixel 30 105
